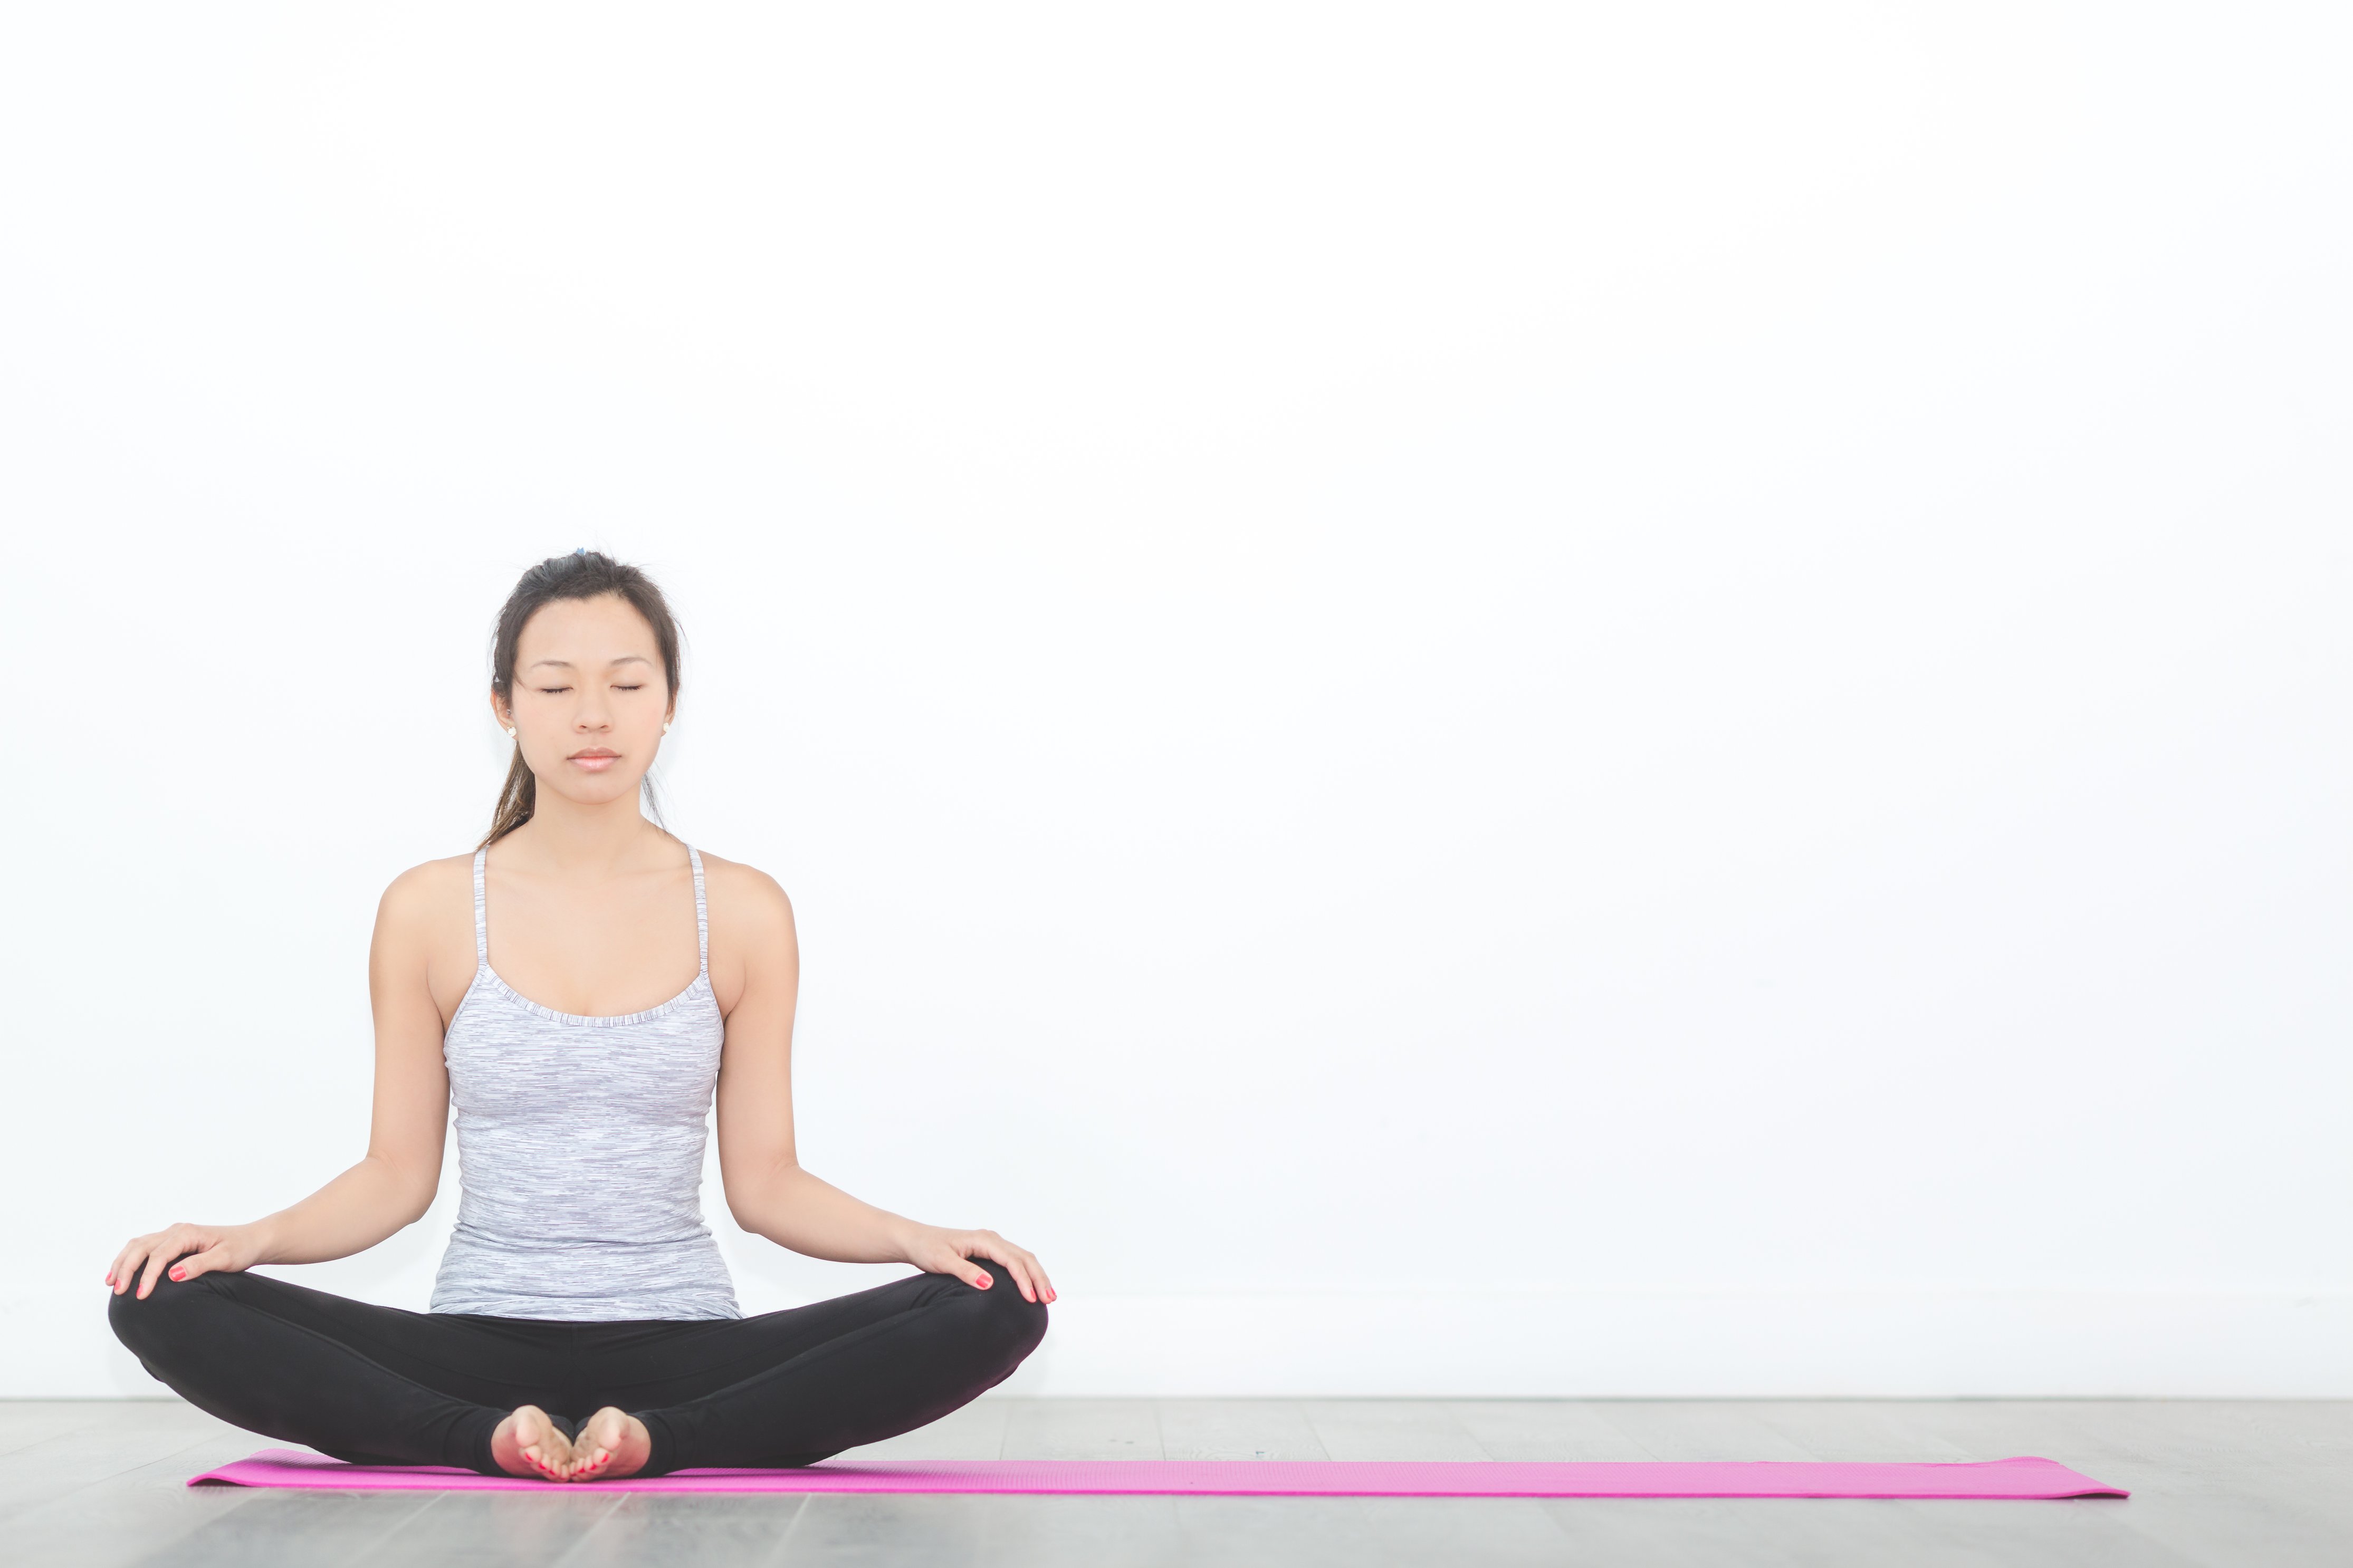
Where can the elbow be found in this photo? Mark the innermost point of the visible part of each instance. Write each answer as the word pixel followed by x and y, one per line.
pixel 413 1193
pixel 414 1210
pixel 753 1199
pixel 746 1213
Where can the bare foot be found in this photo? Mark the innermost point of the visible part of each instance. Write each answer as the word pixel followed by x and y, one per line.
pixel 611 1444
pixel 528 1444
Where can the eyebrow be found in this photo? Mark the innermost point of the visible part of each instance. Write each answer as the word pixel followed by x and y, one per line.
pixel 566 664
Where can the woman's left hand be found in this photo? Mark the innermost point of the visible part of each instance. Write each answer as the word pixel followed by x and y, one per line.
pixel 937 1251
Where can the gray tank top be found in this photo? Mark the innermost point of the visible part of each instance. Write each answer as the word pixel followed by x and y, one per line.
pixel 580 1151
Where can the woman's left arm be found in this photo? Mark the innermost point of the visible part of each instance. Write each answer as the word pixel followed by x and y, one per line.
pixel 758 982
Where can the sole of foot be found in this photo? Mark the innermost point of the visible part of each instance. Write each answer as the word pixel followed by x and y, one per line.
pixel 611 1443
pixel 528 1444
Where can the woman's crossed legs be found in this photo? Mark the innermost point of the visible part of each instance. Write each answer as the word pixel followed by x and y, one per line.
pixel 379 1385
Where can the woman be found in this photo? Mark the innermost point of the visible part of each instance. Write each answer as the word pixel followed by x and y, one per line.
pixel 583 1326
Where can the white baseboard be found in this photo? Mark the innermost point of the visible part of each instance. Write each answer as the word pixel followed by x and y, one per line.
pixel 1734 1345
pixel 1889 1344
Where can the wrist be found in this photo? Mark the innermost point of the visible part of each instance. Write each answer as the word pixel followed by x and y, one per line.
pixel 906 1238
pixel 258 1239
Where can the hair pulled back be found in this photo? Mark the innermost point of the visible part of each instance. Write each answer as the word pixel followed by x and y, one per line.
pixel 583 574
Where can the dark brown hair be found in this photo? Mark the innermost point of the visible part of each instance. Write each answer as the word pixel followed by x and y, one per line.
pixel 583 574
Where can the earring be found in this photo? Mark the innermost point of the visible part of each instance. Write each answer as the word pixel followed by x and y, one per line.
pixel 665 726
pixel 514 734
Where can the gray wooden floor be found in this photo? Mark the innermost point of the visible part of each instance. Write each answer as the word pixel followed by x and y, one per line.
pixel 2270 1484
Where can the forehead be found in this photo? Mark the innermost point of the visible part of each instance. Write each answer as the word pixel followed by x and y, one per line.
pixel 586 630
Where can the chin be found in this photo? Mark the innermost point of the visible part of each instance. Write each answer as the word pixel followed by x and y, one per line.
pixel 599 791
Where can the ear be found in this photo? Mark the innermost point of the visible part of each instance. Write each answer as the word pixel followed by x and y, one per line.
pixel 499 711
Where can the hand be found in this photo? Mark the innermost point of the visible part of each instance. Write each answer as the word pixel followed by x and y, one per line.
pixel 937 1251
pixel 228 1248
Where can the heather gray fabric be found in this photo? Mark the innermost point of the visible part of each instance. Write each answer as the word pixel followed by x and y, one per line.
pixel 580 1151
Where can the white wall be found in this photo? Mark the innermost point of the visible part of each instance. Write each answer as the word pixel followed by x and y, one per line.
pixel 1625 699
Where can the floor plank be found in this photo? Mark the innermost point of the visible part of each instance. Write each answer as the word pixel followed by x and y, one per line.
pixel 292 1529
pixel 462 1530
pixel 1367 1533
pixel 1237 1429
pixel 1391 1429
pixel 723 1531
pixel 1083 1429
pixel 84 1451
pixel 120 1519
pixel 1543 1429
pixel 975 1432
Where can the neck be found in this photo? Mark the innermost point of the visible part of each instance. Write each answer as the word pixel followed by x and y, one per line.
pixel 567 835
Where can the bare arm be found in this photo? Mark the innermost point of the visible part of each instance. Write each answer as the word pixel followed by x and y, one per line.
pixel 394 1185
pixel 767 1191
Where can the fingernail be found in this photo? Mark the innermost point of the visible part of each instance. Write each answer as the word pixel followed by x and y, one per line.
pixel 984 1281
pixel 177 1275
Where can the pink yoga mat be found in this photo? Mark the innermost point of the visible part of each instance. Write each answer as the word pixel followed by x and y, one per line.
pixel 1243 1478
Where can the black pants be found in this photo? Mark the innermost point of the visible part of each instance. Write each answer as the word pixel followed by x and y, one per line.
pixel 378 1385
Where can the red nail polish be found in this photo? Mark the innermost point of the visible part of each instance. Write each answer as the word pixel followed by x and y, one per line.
pixel 982 1281
pixel 177 1275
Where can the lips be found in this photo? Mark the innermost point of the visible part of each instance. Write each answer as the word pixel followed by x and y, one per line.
pixel 595 759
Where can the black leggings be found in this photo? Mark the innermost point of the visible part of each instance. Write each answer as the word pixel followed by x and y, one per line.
pixel 378 1385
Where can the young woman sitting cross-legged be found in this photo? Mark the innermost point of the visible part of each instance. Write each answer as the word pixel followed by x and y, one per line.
pixel 580 989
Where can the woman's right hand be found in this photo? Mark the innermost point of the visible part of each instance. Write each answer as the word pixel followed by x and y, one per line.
pixel 227 1248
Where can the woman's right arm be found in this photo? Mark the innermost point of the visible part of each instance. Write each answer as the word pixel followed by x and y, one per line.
pixel 394 1183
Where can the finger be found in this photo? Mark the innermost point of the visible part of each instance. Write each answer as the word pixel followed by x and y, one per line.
pixel 1017 1264
pixel 126 1266
pixel 156 1257
pixel 1023 1264
pixel 1037 1273
pixel 134 1259
pixel 1020 1275
pixel 134 1256
pixel 200 1263
pixel 971 1273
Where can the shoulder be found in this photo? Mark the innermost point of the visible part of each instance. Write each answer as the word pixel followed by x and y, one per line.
pixel 422 895
pixel 745 896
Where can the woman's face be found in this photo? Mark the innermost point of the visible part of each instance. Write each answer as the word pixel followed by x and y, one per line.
pixel 590 698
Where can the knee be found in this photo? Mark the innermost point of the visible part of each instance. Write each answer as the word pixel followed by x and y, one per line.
pixel 997 1324
pixel 1015 1324
pixel 165 1318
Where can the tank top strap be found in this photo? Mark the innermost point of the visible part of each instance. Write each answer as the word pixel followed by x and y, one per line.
pixel 702 913
pixel 482 910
